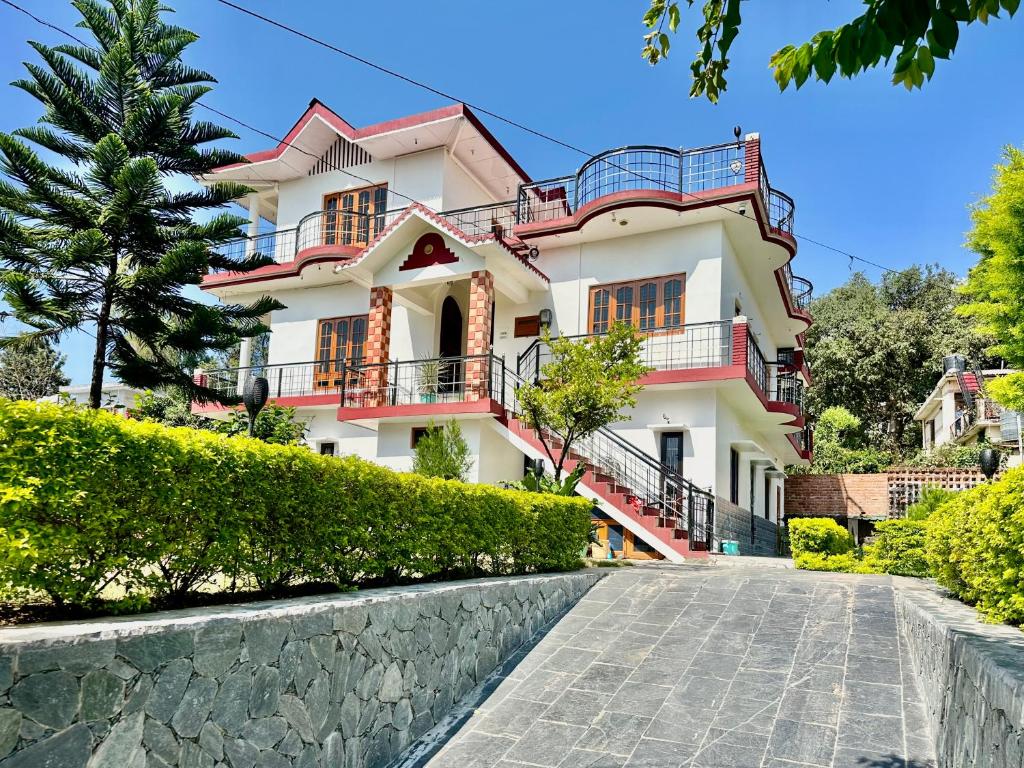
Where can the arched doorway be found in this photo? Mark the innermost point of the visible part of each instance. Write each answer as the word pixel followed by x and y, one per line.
pixel 450 345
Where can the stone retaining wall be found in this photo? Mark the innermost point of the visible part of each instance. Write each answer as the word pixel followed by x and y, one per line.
pixel 972 677
pixel 341 680
pixel 756 535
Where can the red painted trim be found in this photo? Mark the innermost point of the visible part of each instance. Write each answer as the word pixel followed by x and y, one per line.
pixel 319 109
pixel 291 401
pixel 808 455
pixel 306 257
pixel 792 311
pixel 351 413
pixel 439 253
pixel 684 375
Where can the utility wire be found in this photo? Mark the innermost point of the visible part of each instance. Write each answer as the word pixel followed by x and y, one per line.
pixel 497 116
pixel 483 110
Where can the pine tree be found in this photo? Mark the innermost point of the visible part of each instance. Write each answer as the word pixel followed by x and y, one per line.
pixel 31 371
pixel 95 241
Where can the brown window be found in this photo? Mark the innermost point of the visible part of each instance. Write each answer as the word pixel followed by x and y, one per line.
pixel 340 344
pixel 355 216
pixel 526 326
pixel 651 304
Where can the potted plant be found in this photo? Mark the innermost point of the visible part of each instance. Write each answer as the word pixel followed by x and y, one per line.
pixel 429 372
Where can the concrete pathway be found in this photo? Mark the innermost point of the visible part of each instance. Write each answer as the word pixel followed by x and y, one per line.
pixel 699 667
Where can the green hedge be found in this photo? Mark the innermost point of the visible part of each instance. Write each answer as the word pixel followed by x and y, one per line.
pixel 899 548
pixel 819 535
pixel 821 544
pixel 976 547
pixel 90 500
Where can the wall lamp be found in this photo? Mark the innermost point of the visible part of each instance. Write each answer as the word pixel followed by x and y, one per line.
pixel 545 317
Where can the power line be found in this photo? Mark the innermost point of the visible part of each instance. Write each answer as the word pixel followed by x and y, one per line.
pixel 483 110
pixel 497 116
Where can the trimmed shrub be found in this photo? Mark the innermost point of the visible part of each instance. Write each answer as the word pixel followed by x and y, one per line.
pixel 93 500
pixel 846 562
pixel 975 547
pixel 899 548
pixel 819 535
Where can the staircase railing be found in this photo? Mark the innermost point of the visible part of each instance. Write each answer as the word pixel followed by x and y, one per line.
pixel 652 487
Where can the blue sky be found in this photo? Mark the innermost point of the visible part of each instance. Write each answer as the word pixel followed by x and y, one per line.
pixel 874 170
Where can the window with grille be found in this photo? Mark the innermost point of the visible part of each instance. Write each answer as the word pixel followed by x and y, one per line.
pixel 649 304
pixel 355 216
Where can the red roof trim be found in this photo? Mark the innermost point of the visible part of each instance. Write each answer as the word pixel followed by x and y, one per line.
pixel 319 109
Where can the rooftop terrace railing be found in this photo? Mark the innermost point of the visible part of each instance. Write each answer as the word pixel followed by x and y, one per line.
pixel 800 289
pixel 637 168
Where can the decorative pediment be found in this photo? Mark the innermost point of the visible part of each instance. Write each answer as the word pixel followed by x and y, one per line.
pixel 428 250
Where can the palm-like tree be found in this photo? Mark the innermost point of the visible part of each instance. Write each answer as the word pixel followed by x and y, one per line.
pixel 95 241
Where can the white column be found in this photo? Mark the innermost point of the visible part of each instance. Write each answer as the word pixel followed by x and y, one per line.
pixel 254 224
pixel 244 361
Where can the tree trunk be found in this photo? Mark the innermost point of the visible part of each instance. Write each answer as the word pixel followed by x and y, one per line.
pixel 99 360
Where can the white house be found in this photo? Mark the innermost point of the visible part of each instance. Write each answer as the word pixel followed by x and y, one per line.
pixel 418 262
pixel 959 411
pixel 115 396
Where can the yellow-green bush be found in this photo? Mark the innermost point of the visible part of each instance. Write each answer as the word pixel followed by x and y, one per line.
pixel 899 548
pixel 820 535
pixel 975 547
pixel 95 499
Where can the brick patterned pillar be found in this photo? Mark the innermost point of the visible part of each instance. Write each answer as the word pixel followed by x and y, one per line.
pixel 740 338
pixel 378 347
pixel 752 158
pixel 478 334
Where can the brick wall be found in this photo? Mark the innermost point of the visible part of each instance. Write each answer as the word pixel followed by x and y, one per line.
pixel 880 495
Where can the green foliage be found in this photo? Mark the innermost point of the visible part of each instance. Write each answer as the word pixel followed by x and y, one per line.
pixel 170 407
pixel 876 349
pixel 586 385
pixel 31 370
pixel 538 482
pixel 274 424
pixel 819 535
pixel 996 283
pixel 931 499
pixel 847 562
pixel 916 32
pixel 839 446
pixel 952 455
pixel 975 547
pixel 159 512
pixel 442 452
pixel 899 548
pixel 95 240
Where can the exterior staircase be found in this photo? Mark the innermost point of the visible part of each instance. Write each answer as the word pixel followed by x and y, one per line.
pixel 646 497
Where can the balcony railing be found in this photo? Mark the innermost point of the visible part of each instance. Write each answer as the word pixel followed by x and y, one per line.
pixel 412 382
pixel 687 172
pixel 800 289
pixel 697 345
pixel 320 377
pixel 778 381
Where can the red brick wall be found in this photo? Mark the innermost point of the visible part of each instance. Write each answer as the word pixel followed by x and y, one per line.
pixel 837 496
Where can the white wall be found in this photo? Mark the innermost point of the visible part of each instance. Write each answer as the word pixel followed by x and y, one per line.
pixel 460 190
pixel 293 336
pixel 735 285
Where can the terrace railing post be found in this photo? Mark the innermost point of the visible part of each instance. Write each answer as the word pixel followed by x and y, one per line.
pixel 502 381
pixel 280 377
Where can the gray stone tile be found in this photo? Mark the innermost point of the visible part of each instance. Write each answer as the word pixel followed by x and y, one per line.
pixel 639 699
pixel 699 692
pixel 472 751
pixel 759 684
pixel 875 732
pixel 568 658
pixel 722 755
pixel 602 678
pixel 719 666
pixel 847 757
pixel 811 707
pixel 654 753
pixel 745 716
pixel 872 698
pixel 544 685
pixel 584 758
pixel 802 742
pixel 546 743
pixel 818 678
pixel 577 707
pixel 616 732
pixel 681 724
pixel 655 669
pixel 872 669
pixel 510 718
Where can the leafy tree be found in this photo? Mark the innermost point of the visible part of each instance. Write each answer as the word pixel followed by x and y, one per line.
pixel 95 241
pixel 953 455
pixel 995 285
pixel 31 371
pixel 931 499
pixel 171 407
pixel 876 349
pixel 275 424
pixel 442 452
pixel 916 32
pixel 585 386
pixel 839 446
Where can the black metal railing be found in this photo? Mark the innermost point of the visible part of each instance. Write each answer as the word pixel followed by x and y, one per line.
pixel 785 385
pixel 318 377
pixel 483 220
pixel 697 345
pixel 805 438
pixel 800 289
pixel 411 382
pixel 341 228
pixel 278 245
pixel 652 487
pixel 687 172
pixel 757 365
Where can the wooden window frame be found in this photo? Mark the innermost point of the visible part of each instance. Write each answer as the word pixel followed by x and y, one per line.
pixel 635 295
pixel 354 216
pixel 327 369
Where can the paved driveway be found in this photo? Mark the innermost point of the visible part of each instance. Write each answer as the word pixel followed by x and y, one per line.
pixel 707 667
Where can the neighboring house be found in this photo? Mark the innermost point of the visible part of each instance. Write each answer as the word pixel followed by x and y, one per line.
pixel 116 397
pixel 419 263
pixel 959 411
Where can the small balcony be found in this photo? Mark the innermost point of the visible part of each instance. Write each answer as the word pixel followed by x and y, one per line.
pixel 697 345
pixel 289 380
pixel 688 172
pixel 800 290
pixel 777 381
